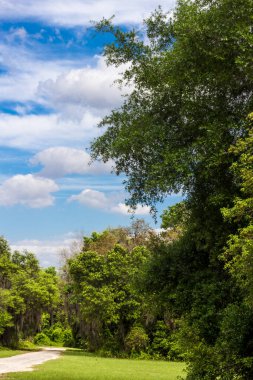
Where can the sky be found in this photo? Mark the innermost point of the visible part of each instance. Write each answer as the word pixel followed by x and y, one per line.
pixel 54 89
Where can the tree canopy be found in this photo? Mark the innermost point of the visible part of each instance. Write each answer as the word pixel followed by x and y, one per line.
pixel 192 90
pixel 26 292
pixel 185 127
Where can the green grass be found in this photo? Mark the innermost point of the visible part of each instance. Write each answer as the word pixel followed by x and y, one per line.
pixel 5 353
pixel 74 365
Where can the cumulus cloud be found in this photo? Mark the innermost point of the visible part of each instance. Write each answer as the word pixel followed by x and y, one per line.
pixel 37 132
pixel 28 190
pixel 98 199
pixel 25 70
pixel 66 85
pixel 80 12
pixel 60 161
pixel 86 87
pixel 91 198
pixel 80 97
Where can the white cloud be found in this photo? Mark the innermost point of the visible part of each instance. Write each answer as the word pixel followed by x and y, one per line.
pixel 100 200
pixel 60 161
pixel 42 131
pixel 66 84
pixel 25 70
pixel 80 98
pixel 27 190
pixel 121 208
pixel 92 198
pixel 50 252
pixel 80 12
pixel 91 87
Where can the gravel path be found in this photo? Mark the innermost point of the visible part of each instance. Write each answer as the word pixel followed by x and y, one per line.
pixel 25 362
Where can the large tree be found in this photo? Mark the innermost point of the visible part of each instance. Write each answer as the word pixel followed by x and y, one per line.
pixel 192 88
pixel 191 82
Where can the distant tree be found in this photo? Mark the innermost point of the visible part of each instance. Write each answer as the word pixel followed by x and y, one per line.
pixel 138 233
pixel 26 291
pixel 103 302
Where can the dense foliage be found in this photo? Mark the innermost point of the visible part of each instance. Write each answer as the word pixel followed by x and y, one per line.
pixel 185 127
pixel 26 292
pixel 107 309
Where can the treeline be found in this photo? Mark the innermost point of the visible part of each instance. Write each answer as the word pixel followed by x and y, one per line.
pixel 109 308
pixel 26 293
pixel 98 301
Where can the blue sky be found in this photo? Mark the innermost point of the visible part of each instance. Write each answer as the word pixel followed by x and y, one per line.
pixel 55 88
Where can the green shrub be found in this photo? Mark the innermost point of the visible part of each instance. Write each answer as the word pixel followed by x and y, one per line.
pixel 26 344
pixel 137 340
pixel 42 339
pixel 57 335
pixel 141 355
pixel 161 343
pixel 165 343
pixel 68 340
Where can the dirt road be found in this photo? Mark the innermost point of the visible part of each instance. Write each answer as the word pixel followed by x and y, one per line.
pixel 25 362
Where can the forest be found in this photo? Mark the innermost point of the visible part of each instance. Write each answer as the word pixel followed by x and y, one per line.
pixel 186 127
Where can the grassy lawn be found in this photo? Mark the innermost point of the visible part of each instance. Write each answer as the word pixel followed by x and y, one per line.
pixel 5 353
pixel 74 365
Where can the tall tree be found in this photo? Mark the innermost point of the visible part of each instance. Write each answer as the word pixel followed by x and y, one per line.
pixel 192 87
pixel 192 91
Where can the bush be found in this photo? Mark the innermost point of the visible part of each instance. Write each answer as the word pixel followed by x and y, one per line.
pixel 57 335
pixel 26 344
pixel 161 343
pixel 165 343
pixel 68 340
pixel 137 340
pixel 42 339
